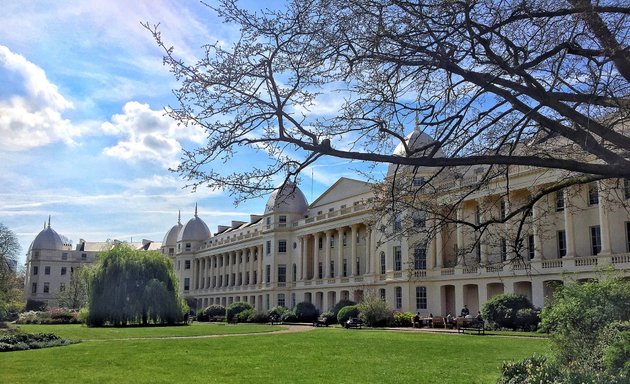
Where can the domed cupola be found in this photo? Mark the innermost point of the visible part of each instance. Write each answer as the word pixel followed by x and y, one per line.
pixel 170 239
pixel 415 141
pixel 194 230
pixel 48 239
pixel 287 199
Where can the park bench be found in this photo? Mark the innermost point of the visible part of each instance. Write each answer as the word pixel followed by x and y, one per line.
pixel 274 318
pixel 354 323
pixel 472 326
pixel 321 322
pixel 233 320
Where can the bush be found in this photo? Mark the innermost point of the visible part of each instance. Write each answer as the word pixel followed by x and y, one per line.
pixel 24 341
pixel 236 308
pixel 208 313
pixel 306 312
pixel 329 317
pixel 527 319
pixel 535 369
pixel 289 317
pixel 278 312
pixel 52 316
pixel 340 304
pixel 35 305
pixel 501 312
pixel 258 317
pixel 243 317
pixel 83 315
pixel 403 319
pixel 374 311
pixel 346 313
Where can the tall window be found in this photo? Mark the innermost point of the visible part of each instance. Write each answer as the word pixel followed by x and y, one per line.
pixel 281 301
pixel 418 181
pixel 62 287
pixel 381 291
pixel 560 200
pixel 626 188
pixel 35 269
pixel 419 219
pixel 398 297
pixel 34 288
pixel 382 263
pixel 397 259
pixel 46 287
pixel 282 246
pixel 320 271
pixel 282 273
pixel 187 264
pixel 294 272
pixel 47 270
pixel 531 250
pixel 627 236
pixel 268 247
pixel 477 215
pixel 420 257
pixel 593 194
pixel 345 267
pixel 344 239
pixel 64 256
pixel 562 244
pixel 397 221
pixel 503 250
pixel 267 273
pixel 320 243
pixel 503 207
pixel 332 268
pixel 188 247
pixel 332 241
pixel 421 297
pixel 255 277
pixel 282 220
pixel 596 240
pixel 63 270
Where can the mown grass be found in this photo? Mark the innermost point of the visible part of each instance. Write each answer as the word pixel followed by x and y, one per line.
pixel 318 356
pixel 81 332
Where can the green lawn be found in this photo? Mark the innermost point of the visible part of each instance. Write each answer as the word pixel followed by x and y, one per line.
pixel 330 355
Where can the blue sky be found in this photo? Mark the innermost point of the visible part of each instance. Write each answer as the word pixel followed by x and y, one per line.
pixel 83 137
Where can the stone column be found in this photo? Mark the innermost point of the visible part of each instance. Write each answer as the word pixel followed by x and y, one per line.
pixel 604 226
pixel 459 235
pixel 369 254
pixel 327 254
pixel 316 237
pixel 303 258
pixel 353 250
pixel 339 266
pixel 569 233
pixel 439 248
pixel 252 268
pixel 537 217
pixel 260 264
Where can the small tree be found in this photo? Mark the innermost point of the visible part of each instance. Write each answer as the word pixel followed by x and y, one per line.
pixel 346 313
pixel 75 295
pixel 374 311
pixel 509 310
pixel 340 304
pixel 306 312
pixel 235 308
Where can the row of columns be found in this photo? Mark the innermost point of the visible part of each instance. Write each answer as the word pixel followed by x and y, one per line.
pixel 218 268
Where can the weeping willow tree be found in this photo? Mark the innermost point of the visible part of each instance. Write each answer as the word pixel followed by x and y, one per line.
pixel 129 286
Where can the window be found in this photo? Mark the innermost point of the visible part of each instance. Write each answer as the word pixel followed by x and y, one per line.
pixel 188 247
pixel 294 272
pixel 293 300
pixel 398 297
pixel 62 287
pixel 593 194
pixel 596 240
pixel 282 273
pixel 233 280
pixel 531 249
pixel 46 287
pixel 382 263
pixel 397 221
pixel 332 268
pixel 419 219
pixel 345 268
pixel 344 239
pixel 320 270
pixel 179 264
pixel 562 244
pixel 418 181
pixel 332 241
pixel 186 264
pixel 34 288
pixel 282 221
pixel 247 278
pixel 627 236
pixel 63 271
pixel 421 297
pixel 268 221
pixel 477 215
pixel 560 200
pixel 84 256
pixel 64 256
pixel 626 188
pixel 268 247
pixel 503 208
pixel 35 269
pixel 255 274
pixel 47 270
pixel 320 242
pixel 503 250
pixel 420 257
pixel 186 284
pixel 397 259
pixel 382 292
pixel 282 246
pixel 221 280
pixel 267 273
pixel 281 301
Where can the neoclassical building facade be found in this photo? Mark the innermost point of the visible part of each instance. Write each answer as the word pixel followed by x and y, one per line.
pixel 432 257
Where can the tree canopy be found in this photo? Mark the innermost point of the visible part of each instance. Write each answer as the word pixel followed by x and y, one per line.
pixel 540 83
pixel 130 286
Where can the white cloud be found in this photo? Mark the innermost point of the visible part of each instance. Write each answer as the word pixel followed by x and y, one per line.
pixel 148 135
pixel 34 117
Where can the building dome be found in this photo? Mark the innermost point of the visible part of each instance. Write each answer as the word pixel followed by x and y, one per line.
pixel 289 199
pixel 194 230
pixel 170 239
pixel 415 140
pixel 48 238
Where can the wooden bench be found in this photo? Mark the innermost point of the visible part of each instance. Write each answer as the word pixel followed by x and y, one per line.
pixel 217 319
pixel 321 322
pixel 472 326
pixel 353 323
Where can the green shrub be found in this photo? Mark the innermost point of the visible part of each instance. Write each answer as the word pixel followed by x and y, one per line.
pixel 403 319
pixel 236 308
pixel 340 304
pixel 52 316
pixel 535 369
pixel 24 341
pixel 501 312
pixel 527 319
pixel 243 317
pixel 289 317
pixel 83 315
pixel 346 313
pixel 35 305
pixel 258 317
pixel 213 311
pixel 616 357
pixel 278 312
pixel 329 316
pixel 374 311
pixel 306 312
